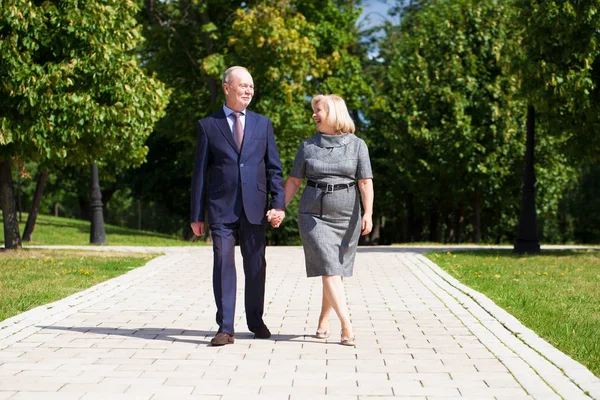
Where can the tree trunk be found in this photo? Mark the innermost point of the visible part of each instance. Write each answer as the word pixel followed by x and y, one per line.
pixel 460 222
pixel 375 236
pixel 434 222
pixel 450 218
pixel 527 239
pixel 476 217
pixel 19 191
pixel 86 207
pixel 35 206
pixel 410 218
pixel 419 224
pixel 107 195
pixel 12 239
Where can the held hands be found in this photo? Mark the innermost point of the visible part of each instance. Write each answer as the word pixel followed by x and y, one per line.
pixel 275 216
pixel 367 224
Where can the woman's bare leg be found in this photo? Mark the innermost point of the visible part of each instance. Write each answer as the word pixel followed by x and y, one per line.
pixel 333 289
pixel 325 311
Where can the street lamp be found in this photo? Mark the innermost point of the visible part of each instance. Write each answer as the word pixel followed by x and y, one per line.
pixel 527 239
pixel 97 233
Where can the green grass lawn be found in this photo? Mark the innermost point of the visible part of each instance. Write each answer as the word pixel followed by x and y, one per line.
pixel 63 231
pixel 555 293
pixel 31 277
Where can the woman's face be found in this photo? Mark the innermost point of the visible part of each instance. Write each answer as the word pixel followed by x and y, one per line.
pixel 320 117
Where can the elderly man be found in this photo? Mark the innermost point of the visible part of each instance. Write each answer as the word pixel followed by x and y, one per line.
pixel 237 167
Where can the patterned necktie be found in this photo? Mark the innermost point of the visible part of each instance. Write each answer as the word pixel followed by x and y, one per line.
pixel 238 129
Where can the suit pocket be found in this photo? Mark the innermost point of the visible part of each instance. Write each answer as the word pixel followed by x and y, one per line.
pixel 262 187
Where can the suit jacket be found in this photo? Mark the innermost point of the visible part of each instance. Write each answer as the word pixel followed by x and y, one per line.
pixel 229 182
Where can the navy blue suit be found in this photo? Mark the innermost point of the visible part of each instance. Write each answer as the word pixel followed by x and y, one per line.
pixel 233 187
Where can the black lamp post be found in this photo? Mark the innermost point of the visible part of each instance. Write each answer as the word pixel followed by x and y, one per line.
pixel 527 239
pixel 97 233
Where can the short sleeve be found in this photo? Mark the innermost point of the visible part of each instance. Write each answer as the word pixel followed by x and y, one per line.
pixel 363 169
pixel 299 168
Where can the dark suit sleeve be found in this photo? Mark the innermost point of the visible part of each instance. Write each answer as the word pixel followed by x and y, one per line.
pixel 274 170
pixel 199 176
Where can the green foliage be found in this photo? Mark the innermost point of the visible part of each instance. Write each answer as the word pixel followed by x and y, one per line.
pixel 448 108
pixel 72 89
pixel 578 219
pixel 561 69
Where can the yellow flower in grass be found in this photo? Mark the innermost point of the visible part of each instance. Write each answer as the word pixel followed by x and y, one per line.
pixel 497 276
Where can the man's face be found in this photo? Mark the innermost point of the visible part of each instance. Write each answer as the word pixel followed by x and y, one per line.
pixel 239 90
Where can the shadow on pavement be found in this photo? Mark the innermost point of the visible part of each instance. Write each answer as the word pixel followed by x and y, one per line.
pixel 170 335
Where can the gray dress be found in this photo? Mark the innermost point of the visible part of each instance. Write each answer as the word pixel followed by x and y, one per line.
pixel 330 223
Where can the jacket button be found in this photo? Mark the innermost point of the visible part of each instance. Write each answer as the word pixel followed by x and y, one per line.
pixel 241 165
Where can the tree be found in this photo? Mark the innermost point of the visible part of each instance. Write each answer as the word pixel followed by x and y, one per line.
pixel 449 109
pixel 560 69
pixel 561 73
pixel 449 105
pixel 73 91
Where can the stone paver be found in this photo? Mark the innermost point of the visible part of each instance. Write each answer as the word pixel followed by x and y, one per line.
pixel 145 335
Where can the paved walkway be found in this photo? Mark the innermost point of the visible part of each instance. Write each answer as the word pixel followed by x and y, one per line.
pixel 145 335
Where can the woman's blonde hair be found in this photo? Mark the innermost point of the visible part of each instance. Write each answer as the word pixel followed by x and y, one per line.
pixel 337 112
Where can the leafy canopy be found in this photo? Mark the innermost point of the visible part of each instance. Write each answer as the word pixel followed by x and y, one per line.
pixel 72 88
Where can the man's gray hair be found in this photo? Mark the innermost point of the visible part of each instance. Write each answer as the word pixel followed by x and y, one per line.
pixel 229 71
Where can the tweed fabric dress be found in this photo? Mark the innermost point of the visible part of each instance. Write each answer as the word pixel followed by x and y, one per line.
pixel 330 223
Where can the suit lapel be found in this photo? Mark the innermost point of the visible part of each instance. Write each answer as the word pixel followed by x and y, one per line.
pixel 221 121
pixel 250 125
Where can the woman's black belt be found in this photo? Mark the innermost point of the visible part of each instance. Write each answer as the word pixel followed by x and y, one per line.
pixel 329 187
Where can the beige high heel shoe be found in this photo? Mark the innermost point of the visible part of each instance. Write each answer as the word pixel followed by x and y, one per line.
pixel 322 334
pixel 347 341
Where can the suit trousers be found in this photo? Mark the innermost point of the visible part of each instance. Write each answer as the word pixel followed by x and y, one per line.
pixel 252 239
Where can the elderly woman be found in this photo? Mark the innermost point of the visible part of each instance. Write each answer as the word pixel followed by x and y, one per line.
pixel 336 165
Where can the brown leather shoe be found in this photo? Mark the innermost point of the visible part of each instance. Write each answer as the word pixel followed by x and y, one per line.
pixel 261 332
pixel 221 339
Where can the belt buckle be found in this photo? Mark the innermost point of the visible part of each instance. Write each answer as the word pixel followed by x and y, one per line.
pixel 329 188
